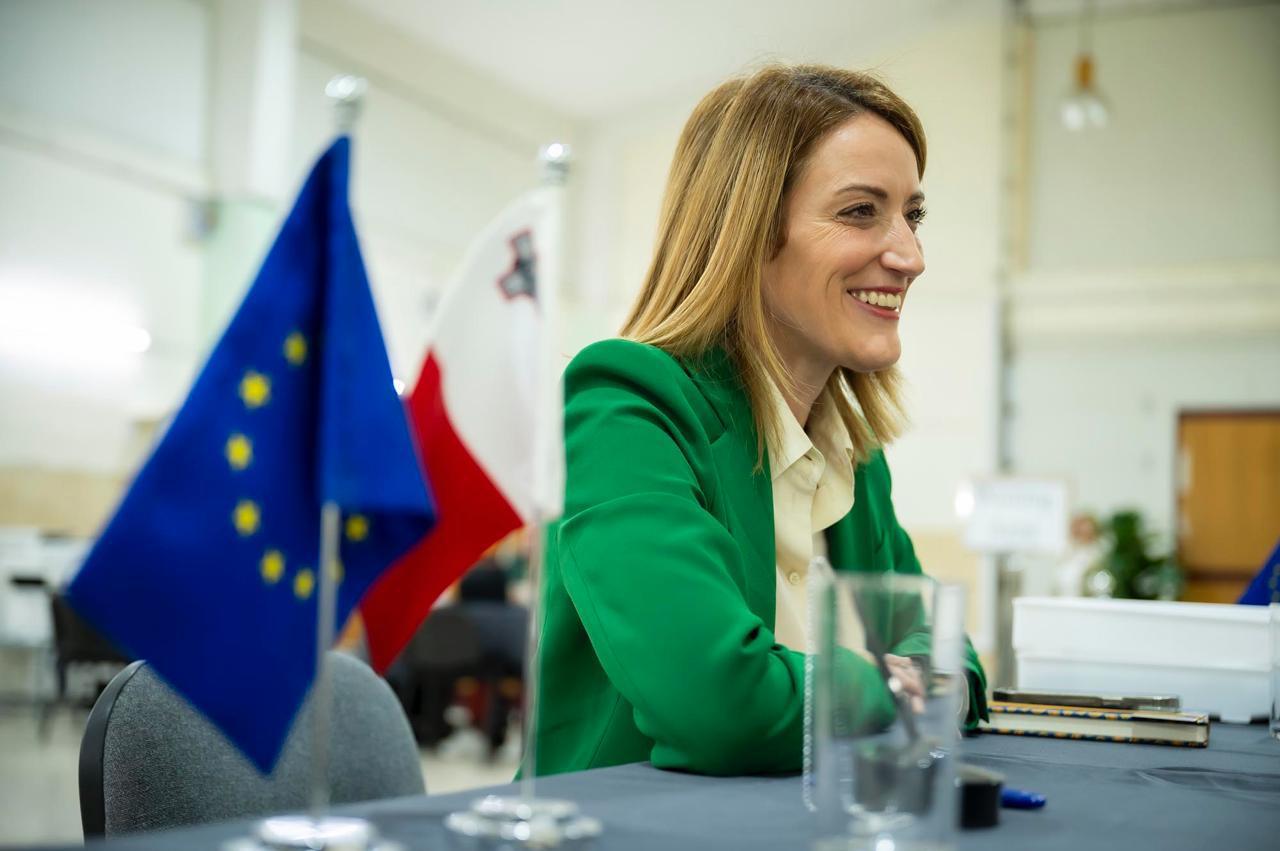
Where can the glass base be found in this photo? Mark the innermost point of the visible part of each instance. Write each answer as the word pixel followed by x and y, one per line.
pixel 504 822
pixel 880 843
pixel 303 833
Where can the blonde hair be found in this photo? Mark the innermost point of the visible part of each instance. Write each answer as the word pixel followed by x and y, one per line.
pixel 722 218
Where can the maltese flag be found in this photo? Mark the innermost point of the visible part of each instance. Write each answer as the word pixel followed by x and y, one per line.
pixel 487 414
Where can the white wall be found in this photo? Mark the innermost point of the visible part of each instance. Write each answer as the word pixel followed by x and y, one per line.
pixel 621 178
pixel 949 330
pixel 131 70
pixel 1154 276
pixel 1104 415
pixel 97 151
pixel 1188 171
pixel 105 117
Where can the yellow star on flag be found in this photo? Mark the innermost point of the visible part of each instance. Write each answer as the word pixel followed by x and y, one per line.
pixel 295 348
pixel 272 566
pixel 239 451
pixel 357 527
pixel 255 389
pixel 246 517
pixel 304 583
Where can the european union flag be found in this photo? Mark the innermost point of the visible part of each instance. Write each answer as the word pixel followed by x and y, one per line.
pixel 1265 587
pixel 209 568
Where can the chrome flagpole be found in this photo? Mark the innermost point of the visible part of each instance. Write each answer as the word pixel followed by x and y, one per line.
pixel 322 691
pixel 525 820
pixel 555 173
pixel 318 830
pixel 347 93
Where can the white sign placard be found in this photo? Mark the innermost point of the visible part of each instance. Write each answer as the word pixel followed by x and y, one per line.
pixel 1014 515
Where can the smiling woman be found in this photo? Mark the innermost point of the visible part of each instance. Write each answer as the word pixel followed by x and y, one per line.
pixel 735 433
pixel 833 291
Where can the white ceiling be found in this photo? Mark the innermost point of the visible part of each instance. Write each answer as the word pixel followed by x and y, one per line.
pixel 597 58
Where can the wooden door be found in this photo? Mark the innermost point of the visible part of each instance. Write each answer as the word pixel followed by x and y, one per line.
pixel 1228 499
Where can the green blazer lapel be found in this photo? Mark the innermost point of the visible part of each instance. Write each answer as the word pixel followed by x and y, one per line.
pixel 747 495
pixel 855 542
pixel 842 550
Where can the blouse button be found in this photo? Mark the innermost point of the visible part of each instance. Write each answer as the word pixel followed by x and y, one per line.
pixel 793 577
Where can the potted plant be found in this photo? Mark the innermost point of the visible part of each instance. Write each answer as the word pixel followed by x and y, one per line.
pixel 1130 570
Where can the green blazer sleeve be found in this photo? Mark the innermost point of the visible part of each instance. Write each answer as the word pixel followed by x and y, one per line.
pixel 659 583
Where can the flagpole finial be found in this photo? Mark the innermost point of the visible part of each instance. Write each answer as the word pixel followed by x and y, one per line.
pixel 347 93
pixel 555 158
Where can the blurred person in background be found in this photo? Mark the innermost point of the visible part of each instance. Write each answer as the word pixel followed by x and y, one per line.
pixel 734 433
pixel 1086 548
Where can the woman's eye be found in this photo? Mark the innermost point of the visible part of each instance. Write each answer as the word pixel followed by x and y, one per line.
pixel 859 211
pixel 916 216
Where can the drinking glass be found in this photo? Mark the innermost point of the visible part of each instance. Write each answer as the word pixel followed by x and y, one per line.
pixel 1275 670
pixel 884 682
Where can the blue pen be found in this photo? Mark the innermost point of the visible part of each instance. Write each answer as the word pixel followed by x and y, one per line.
pixel 1017 799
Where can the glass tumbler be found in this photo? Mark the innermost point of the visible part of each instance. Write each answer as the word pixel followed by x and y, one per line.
pixel 884 686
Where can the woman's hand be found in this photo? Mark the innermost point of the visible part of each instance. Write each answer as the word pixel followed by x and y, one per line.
pixel 909 678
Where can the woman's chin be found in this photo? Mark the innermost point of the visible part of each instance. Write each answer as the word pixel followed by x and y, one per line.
pixel 864 358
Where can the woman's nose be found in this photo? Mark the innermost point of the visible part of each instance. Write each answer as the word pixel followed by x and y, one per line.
pixel 902 254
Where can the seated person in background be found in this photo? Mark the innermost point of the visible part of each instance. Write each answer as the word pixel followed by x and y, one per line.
pixel 486 582
pixel 1085 549
pixel 735 433
pixel 502 574
pixel 502 629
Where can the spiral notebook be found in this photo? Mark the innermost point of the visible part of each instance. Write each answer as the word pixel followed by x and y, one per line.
pixel 1140 726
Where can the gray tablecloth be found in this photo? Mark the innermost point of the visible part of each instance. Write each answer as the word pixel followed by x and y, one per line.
pixel 1100 796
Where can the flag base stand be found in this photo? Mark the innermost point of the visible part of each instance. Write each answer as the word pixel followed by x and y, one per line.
pixel 303 833
pixel 515 822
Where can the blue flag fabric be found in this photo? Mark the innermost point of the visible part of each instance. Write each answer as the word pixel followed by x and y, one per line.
pixel 1265 587
pixel 208 568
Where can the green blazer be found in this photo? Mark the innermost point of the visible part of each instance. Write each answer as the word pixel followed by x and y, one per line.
pixel 660 578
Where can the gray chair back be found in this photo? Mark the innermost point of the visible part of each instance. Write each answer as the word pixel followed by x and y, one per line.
pixel 149 761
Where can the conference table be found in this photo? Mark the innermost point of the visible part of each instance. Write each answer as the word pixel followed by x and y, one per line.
pixel 1100 795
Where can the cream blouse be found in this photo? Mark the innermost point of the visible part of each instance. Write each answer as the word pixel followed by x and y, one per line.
pixel 812 473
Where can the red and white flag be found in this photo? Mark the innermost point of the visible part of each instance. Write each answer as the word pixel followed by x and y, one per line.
pixel 489 389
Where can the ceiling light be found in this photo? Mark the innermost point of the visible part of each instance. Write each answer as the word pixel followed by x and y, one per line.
pixel 1084 107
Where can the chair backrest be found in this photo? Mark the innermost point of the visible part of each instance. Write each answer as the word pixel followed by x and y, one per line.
pixel 149 761
pixel 447 641
pixel 74 640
